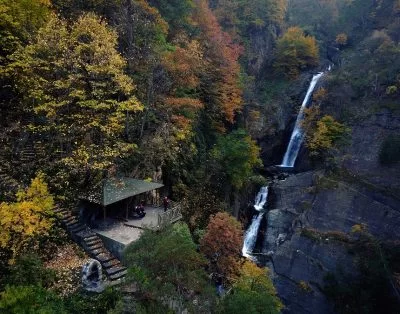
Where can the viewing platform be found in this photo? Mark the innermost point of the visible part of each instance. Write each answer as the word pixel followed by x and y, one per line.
pixel 118 233
pixel 111 210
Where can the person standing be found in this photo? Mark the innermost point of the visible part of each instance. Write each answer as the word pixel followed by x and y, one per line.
pixel 165 203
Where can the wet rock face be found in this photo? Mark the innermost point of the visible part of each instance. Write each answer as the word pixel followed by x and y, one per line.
pixel 300 266
pixel 260 45
pixel 363 152
pixel 308 230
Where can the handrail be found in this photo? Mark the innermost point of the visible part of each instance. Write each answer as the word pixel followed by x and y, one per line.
pixel 170 216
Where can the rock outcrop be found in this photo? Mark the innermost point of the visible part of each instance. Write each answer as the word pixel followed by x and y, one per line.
pixel 308 233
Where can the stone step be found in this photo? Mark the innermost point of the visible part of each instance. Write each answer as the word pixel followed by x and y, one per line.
pixel 114 262
pixel 28 153
pixel 116 282
pixel 26 158
pixel 104 257
pixel 91 237
pixel 115 270
pixel 9 183
pixel 59 210
pixel 93 241
pixel 64 213
pixel 87 235
pixel 68 219
pixel 72 223
pixel 78 228
pixel 118 275
pixel 95 246
pixel 97 251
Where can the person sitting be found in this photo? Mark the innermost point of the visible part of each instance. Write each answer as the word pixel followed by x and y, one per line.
pixel 140 210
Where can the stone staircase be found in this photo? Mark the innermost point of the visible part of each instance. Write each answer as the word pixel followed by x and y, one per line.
pixel 93 246
pixel 7 183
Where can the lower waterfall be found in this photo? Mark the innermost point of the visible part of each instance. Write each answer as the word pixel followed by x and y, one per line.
pixel 250 236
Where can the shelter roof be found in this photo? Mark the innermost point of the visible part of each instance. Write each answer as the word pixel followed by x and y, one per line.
pixel 113 190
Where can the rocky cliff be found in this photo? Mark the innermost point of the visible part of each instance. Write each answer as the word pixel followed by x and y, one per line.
pixel 308 236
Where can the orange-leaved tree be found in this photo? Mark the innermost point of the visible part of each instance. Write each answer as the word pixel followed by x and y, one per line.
pixel 183 65
pixel 222 244
pixel 220 78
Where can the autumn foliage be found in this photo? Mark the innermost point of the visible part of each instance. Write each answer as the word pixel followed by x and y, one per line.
pixel 222 244
pixel 253 292
pixel 327 135
pixel 341 39
pixel 27 219
pixel 223 69
pixel 295 52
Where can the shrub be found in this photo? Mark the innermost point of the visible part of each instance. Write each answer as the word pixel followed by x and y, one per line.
pixel 28 270
pixel 304 286
pixel 30 299
pixel 341 39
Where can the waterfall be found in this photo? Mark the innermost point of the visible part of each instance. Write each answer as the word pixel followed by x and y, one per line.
pixel 297 136
pixel 261 198
pixel 250 236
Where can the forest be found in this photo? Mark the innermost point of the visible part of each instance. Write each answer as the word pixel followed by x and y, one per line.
pixel 202 97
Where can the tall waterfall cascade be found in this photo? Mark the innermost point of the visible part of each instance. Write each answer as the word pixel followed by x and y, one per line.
pixel 298 133
pixel 250 236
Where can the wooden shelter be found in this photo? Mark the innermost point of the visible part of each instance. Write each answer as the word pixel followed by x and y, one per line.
pixel 113 190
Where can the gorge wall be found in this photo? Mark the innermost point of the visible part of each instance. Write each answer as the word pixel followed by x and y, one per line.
pixel 308 235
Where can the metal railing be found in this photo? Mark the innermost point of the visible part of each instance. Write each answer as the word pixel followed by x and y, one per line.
pixel 170 216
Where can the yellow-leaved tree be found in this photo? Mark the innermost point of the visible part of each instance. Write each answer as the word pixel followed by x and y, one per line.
pixel 295 51
pixel 328 134
pixel 253 292
pixel 74 77
pixel 31 216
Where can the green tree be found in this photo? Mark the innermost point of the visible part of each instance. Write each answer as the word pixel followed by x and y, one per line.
pixel 253 293
pixel 295 52
pixel 168 269
pixel 318 17
pixel 27 219
pixel 30 299
pixel 175 12
pixel 74 8
pixel 237 155
pixel 29 270
pixel 19 22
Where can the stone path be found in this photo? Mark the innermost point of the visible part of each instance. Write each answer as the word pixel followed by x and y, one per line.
pixel 94 246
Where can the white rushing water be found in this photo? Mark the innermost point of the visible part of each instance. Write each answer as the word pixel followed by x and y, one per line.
pixel 250 236
pixel 261 198
pixel 298 134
